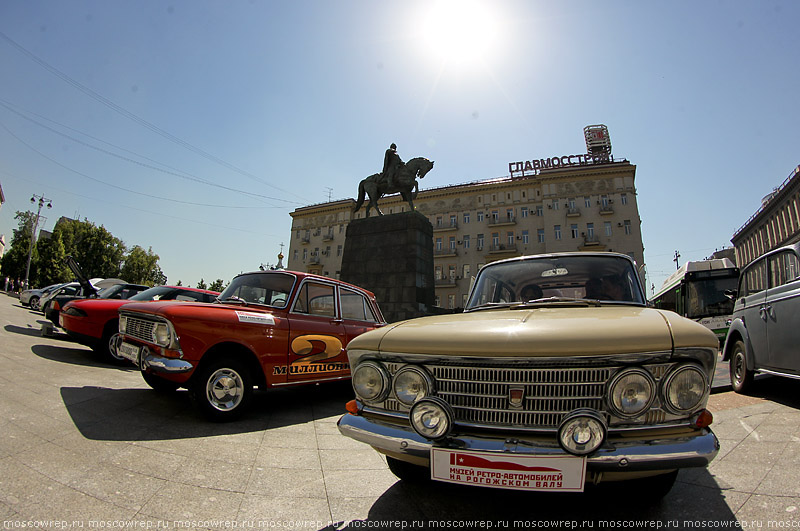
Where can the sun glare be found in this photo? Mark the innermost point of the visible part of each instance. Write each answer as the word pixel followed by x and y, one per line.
pixel 459 32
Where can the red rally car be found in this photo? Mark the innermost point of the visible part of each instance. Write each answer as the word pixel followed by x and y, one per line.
pixel 270 328
pixel 95 322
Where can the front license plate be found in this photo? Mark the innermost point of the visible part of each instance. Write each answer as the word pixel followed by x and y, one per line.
pixel 509 471
pixel 129 352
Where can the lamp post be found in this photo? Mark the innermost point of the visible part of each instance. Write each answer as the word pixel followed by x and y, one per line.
pixel 42 200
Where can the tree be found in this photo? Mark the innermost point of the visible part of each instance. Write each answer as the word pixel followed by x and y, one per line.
pixel 141 267
pixel 98 252
pixel 217 285
pixel 15 260
pixel 201 284
pixel 51 266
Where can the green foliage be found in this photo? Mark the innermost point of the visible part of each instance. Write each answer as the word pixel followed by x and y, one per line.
pixel 98 252
pixel 217 285
pixel 141 267
pixel 15 259
pixel 202 284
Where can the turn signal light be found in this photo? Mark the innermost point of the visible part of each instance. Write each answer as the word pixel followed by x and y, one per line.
pixel 704 419
pixel 352 407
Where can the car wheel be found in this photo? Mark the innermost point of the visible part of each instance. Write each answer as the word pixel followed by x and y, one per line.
pixel 222 389
pixel 741 377
pixel 158 383
pixel 34 303
pixel 408 471
pixel 107 346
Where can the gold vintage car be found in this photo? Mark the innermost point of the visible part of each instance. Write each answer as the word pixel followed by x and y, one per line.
pixel 556 375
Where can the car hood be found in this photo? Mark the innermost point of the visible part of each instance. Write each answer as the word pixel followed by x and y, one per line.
pixel 549 331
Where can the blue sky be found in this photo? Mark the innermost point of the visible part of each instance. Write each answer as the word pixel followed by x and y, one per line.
pixel 196 127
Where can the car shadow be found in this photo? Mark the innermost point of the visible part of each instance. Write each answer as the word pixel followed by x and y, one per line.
pixel 422 506
pixel 784 391
pixel 23 330
pixel 106 414
pixel 74 356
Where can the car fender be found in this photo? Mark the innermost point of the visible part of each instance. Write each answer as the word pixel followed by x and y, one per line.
pixel 738 331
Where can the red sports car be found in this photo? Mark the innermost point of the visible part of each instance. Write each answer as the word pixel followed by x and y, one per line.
pixel 95 322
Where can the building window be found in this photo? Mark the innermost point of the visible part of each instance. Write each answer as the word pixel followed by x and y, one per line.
pixel 466 218
pixel 540 235
pixel 305 255
pixel 627 225
pixel 604 200
pixel 437 272
pixel 465 271
pixel 453 221
pixel 587 201
pixel 574 230
pixel 438 244
pixel 295 254
pixel 557 231
pixel 451 302
pixel 453 243
pixel 555 204
pixel 623 198
pixel 539 210
pixel 525 237
pixel 495 240
pixel 524 212
pixel 480 216
pixel 607 226
pixel 466 241
pixel 571 203
pixel 510 214
pixel 495 216
pixel 510 238
pixel 451 272
pixel 438 221
pixel 480 241
pixel 590 230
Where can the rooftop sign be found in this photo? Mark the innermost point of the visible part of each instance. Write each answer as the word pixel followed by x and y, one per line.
pixel 536 165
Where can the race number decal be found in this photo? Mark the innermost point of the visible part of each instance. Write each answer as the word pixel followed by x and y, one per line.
pixel 315 350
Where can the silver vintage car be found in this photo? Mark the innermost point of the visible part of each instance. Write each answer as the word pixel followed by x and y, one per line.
pixel 764 334
pixel 556 375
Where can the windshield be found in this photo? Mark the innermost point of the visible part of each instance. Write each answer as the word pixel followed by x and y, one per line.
pixel 269 288
pixel 604 278
pixel 706 298
pixel 153 294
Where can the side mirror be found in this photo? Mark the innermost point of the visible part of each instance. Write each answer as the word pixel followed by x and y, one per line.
pixel 731 294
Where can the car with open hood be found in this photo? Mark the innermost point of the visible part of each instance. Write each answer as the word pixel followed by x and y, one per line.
pixel 269 329
pixel 556 375
pixel 95 322
pixel 31 297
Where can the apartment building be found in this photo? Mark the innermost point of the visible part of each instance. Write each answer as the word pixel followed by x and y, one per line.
pixel 573 205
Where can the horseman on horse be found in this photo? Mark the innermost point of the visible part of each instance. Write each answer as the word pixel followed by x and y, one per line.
pixel 395 177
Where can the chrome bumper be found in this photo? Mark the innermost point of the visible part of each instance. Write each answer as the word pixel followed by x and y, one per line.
pixel 614 456
pixel 162 365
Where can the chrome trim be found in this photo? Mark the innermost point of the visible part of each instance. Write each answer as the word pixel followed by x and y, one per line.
pixel 160 364
pixel 617 455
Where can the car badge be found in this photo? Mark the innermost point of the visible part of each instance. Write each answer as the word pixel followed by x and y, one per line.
pixel 516 395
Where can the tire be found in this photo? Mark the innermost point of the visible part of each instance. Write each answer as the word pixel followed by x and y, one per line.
pixel 741 377
pixel 108 344
pixel 222 389
pixel 159 384
pixel 407 471
pixel 34 303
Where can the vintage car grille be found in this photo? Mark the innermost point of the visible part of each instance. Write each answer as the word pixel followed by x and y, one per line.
pixel 482 396
pixel 141 329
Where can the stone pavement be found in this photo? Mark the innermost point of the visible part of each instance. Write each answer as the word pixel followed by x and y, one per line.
pixel 87 444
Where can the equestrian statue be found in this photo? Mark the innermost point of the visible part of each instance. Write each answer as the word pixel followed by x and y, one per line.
pixel 396 176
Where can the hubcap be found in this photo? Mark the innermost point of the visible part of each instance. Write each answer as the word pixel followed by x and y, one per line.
pixel 738 370
pixel 112 346
pixel 224 389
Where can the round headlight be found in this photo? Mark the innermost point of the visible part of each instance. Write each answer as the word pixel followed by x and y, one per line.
pixel 370 382
pixel 631 392
pixel 685 389
pixel 431 417
pixel 411 383
pixel 582 432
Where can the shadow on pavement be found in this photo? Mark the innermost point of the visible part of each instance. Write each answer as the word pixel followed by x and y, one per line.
pixel 423 506
pixel 73 356
pixel 785 391
pixel 101 413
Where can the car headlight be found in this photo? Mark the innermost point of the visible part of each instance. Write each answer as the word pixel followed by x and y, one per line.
pixel 684 389
pixel 431 417
pixel 75 312
pixel 631 392
pixel 161 335
pixel 582 432
pixel 370 382
pixel 123 324
pixel 411 383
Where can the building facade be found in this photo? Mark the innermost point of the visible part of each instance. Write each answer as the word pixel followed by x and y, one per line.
pixel 775 223
pixel 580 207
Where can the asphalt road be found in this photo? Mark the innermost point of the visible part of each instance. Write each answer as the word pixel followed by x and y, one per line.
pixel 84 444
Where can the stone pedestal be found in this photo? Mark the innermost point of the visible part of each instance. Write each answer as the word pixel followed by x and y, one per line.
pixel 392 256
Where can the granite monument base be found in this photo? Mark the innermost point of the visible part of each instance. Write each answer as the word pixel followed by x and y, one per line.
pixel 392 256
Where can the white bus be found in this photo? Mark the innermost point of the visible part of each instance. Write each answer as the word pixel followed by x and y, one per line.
pixel 697 291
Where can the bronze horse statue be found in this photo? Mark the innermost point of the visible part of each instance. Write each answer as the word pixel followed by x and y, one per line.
pixel 405 182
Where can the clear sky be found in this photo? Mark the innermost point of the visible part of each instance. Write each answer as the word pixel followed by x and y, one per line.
pixel 195 126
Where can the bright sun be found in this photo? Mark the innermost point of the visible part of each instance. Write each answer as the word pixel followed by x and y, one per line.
pixel 459 32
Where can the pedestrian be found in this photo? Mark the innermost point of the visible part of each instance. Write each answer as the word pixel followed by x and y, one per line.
pixel 6 288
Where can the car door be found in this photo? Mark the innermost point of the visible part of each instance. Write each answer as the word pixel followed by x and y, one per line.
pixel 317 335
pixel 750 306
pixel 357 313
pixel 781 307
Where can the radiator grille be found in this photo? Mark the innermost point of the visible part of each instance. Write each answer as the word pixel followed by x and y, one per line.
pixel 141 329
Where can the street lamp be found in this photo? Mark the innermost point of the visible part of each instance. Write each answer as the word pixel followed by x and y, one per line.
pixel 42 200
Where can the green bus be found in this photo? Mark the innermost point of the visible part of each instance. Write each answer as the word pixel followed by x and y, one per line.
pixel 697 291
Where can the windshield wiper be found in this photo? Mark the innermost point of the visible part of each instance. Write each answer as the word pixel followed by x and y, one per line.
pixel 233 298
pixel 491 306
pixel 558 300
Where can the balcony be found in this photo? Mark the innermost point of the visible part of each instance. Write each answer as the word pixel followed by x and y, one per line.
pixel 503 248
pixel 327 237
pixel 606 210
pixel 573 212
pixel 442 253
pixel 445 227
pixel 502 221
